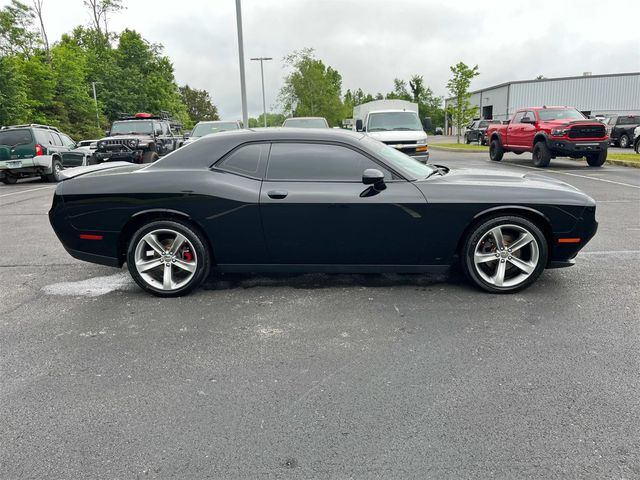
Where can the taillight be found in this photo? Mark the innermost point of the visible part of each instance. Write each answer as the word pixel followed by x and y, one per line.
pixel 39 150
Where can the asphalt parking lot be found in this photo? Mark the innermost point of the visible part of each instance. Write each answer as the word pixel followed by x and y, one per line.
pixel 323 376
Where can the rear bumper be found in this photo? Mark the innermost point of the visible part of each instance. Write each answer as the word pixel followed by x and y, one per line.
pixel 577 147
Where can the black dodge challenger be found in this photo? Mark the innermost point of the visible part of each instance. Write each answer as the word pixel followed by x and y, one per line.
pixel 316 200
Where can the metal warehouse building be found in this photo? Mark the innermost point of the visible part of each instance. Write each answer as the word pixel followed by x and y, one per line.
pixel 617 93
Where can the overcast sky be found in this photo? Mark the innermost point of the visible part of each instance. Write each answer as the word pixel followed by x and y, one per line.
pixel 372 41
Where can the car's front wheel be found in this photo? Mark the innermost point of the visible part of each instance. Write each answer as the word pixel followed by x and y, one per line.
pixel 504 254
pixel 597 159
pixel 168 258
pixel 624 140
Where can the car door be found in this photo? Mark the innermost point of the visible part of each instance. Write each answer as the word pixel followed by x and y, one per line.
pixel 518 131
pixel 315 209
pixel 70 156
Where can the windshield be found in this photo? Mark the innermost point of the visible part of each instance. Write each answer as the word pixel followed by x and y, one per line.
pixel 203 129
pixel 133 126
pixel 15 137
pixel 393 121
pixel 305 123
pixel 397 159
pixel 560 114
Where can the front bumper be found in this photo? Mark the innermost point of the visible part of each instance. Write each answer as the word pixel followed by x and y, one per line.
pixel 133 156
pixel 577 147
pixel 562 253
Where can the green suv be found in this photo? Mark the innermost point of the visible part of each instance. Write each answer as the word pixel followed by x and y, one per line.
pixel 36 150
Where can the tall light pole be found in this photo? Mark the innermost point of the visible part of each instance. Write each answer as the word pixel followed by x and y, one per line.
pixel 243 87
pixel 95 100
pixel 264 103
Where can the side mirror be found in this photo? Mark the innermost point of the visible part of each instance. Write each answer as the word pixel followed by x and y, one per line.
pixel 373 176
pixel 107 133
pixel 527 120
pixel 187 134
pixel 426 124
pixel 358 125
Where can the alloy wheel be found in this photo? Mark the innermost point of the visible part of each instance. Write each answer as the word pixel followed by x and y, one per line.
pixel 506 255
pixel 165 259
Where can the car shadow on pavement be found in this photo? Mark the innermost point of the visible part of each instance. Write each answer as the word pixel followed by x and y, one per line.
pixel 229 281
pixel 562 165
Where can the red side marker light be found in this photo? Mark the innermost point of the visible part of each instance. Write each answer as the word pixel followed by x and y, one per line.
pixel 87 236
pixel 568 240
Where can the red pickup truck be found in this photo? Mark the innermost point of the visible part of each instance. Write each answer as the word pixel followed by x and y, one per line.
pixel 550 132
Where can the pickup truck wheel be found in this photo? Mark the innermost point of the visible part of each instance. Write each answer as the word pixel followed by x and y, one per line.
pixel 504 254
pixel 149 157
pixel 597 159
pixel 466 139
pixel 496 152
pixel 9 179
pixel 624 140
pixel 637 147
pixel 56 169
pixel 541 155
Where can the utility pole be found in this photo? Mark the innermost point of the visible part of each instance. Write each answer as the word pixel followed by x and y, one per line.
pixel 243 87
pixel 95 100
pixel 264 103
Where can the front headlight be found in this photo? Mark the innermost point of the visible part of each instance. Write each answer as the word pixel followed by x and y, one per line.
pixel 559 132
pixel 133 143
pixel 421 141
pixel 101 145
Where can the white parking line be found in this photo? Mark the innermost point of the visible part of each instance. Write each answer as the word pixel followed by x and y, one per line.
pixel 575 175
pixel 613 252
pixel 25 191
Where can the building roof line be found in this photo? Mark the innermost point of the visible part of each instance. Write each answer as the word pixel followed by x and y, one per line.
pixel 555 79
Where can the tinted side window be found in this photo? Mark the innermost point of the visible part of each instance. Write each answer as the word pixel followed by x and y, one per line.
pixel 42 137
pixel 66 141
pixel 157 129
pixel 518 117
pixel 531 115
pixel 54 139
pixel 165 129
pixel 309 161
pixel 248 160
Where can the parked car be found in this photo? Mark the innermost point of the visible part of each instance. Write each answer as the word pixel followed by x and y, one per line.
pixel 88 146
pixel 316 200
pixel 439 131
pixel 477 129
pixel 306 122
pixel 141 138
pixel 208 127
pixel 36 150
pixel 550 132
pixel 636 139
pixel 620 128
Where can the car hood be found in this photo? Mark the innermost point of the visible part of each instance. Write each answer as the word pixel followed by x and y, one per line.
pixel 566 123
pixel 142 138
pixel 502 186
pixel 398 136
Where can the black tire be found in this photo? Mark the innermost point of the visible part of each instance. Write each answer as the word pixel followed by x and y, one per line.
pixel 496 152
pixel 150 156
pixel 480 230
pixel 202 257
pixel 483 140
pixel 541 155
pixel 623 141
pixel 637 146
pixel 9 179
pixel 56 168
pixel 466 139
pixel 597 159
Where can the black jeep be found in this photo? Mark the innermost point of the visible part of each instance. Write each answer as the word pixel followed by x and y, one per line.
pixel 139 138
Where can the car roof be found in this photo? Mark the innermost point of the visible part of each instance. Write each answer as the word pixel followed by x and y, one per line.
pixel 305 118
pixel 210 148
pixel 217 121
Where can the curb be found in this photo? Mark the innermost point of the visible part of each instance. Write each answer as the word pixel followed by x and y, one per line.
pixel 461 150
pixel 623 163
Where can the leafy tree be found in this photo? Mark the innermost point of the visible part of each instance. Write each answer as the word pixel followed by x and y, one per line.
pixel 37 7
pixel 428 104
pixel 461 111
pixel 13 92
pixel 273 120
pixel 399 91
pixel 100 11
pixel 17 35
pixel 311 89
pixel 199 104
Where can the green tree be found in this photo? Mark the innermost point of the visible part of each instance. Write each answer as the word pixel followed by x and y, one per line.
pixel 311 89
pixel 17 33
pixel 199 104
pixel 461 111
pixel 429 105
pixel 13 92
pixel 399 91
pixel 273 120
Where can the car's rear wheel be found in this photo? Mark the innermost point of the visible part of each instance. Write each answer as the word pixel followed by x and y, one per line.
pixel 541 155
pixel 56 171
pixel 504 254
pixel 637 146
pixel 168 258
pixel 496 152
pixel 9 179
pixel 624 140
pixel 466 139
pixel 597 159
